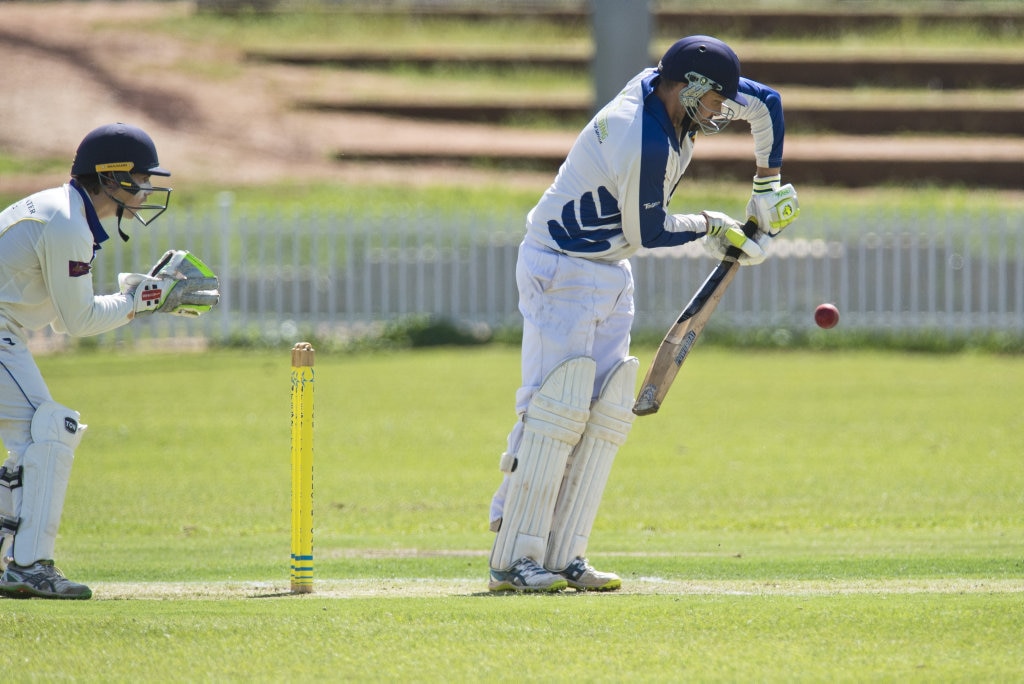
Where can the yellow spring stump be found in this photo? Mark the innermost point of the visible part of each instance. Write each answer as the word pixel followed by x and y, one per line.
pixel 302 468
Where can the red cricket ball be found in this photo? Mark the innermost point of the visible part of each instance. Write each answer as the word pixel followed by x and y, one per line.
pixel 826 315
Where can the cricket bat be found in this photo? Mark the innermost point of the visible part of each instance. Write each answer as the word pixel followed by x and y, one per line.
pixel 681 337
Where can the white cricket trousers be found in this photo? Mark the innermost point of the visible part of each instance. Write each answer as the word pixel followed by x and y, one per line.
pixel 22 390
pixel 571 307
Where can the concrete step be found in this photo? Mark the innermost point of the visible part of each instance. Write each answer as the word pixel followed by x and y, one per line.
pixel 961 71
pixel 763 22
pixel 855 119
pixel 846 161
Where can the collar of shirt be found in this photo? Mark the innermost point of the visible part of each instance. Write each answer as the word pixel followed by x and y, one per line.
pixel 98 234
pixel 656 108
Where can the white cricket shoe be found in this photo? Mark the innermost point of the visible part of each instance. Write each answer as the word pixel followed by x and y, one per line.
pixel 581 576
pixel 526 575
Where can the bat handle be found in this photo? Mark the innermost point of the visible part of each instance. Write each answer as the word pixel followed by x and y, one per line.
pixel 750 230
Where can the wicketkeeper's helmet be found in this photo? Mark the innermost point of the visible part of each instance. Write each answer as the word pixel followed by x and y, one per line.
pixel 115 152
pixel 113 147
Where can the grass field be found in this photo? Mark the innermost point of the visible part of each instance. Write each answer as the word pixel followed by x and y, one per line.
pixel 789 516
pixel 785 517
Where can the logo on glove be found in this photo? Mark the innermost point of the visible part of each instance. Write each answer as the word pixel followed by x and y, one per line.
pixel 151 294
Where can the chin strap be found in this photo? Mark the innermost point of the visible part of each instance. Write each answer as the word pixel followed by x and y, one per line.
pixel 120 213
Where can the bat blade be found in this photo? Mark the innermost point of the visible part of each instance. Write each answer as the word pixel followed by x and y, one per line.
pixel 679 340
pixel 681 337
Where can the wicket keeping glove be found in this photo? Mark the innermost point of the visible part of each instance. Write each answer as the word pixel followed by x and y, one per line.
pixel 180 284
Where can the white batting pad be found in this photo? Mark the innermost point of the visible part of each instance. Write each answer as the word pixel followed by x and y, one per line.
pixel 46 470
pixel 553 424
pixel 589 465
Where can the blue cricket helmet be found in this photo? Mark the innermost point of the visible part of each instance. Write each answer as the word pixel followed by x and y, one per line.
pixel 705 56
pixel 117 147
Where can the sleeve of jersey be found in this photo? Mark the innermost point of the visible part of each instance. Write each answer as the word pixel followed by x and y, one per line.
pixel 646 191
pixel 763 112
pixel 66 269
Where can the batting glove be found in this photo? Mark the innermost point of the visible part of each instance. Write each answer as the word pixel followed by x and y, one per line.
pixel 772 206
pixel 725 232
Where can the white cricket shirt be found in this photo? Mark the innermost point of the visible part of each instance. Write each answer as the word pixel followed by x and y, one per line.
pixel 611 194
pixel 47 244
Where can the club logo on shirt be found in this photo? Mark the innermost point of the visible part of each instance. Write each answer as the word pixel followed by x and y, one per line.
pixel 601 128
pixel 78 268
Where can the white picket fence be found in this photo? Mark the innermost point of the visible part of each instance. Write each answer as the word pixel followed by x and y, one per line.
pixel 336 275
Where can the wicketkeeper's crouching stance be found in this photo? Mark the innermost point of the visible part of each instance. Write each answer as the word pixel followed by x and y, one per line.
pixel 47 243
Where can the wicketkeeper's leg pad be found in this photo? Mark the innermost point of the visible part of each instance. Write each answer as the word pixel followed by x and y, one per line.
pixel 552 426
pixel 45 472
pixel 10 479
pixel 589 465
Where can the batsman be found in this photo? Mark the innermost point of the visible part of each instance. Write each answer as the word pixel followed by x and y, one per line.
pixel 48 241
pixel 609 199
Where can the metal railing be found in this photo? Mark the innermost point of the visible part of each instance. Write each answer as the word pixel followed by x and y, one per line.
pixel 338 275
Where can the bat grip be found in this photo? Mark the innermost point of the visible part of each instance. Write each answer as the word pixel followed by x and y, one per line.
pixel 750 230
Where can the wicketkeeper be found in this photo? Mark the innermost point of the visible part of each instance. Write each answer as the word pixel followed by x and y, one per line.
pixel 609 199
pixel 47 244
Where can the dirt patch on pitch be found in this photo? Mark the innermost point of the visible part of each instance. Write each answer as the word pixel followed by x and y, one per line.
pixel 476 587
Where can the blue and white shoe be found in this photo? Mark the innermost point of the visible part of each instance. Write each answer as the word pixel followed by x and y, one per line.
pixel 526 575
pixel 581 576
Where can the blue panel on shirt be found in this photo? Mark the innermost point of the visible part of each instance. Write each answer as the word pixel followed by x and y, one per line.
pixel 774 103
pixel 582 235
